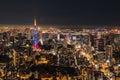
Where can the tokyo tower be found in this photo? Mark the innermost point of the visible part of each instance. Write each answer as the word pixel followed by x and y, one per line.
pixel 35 40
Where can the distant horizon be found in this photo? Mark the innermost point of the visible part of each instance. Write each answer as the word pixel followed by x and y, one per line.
pixel 62 26
pixel 53 21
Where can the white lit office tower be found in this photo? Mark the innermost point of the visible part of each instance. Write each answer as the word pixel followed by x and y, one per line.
pixel 108 53
pixel 109 50
pixel 58 36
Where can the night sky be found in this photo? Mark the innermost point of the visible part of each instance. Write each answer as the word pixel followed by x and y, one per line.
pixel 60 12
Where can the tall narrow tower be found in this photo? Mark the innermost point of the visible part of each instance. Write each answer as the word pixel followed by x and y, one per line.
pixel 35 40
pixel 35 23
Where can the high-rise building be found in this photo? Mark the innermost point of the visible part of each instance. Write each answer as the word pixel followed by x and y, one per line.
pixel 101 44
pixel 109 53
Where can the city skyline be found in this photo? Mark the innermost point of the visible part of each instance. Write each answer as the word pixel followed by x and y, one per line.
pixel 59 40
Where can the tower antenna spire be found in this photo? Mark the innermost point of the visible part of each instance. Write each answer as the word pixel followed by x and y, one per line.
pixel 35 23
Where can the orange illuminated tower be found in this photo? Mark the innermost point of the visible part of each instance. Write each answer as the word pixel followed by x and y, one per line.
pixel 35 23
pixel 35 40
